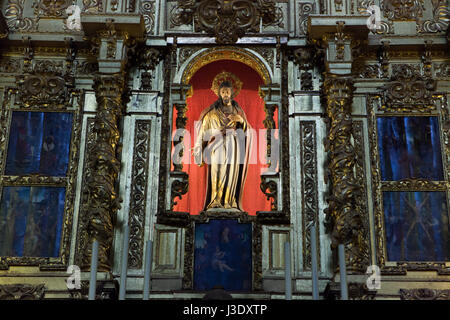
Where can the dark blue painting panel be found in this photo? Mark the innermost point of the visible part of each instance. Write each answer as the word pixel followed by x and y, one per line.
pixel 409 148
pixel 417 226
pixel 39 142
pixel 223 255
pixel 31 220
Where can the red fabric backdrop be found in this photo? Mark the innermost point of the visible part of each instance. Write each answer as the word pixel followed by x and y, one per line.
pixel 253 106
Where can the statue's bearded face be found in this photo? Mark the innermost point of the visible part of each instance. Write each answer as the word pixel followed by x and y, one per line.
pixel 225 95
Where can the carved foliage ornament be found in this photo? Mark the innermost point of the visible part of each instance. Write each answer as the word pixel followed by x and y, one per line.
pixel 22 292
pixel 227 20
pixel 408 91
pixel 15 19
pixel 403 9
pixel 440 20
pixel 424 294
pixel 44 89
pixel 51 8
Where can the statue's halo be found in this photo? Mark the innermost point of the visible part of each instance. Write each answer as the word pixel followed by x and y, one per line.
pixel 226 76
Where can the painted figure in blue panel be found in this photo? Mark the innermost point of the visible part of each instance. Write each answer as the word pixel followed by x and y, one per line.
pixel 417 226
pixel 31 221
pixel 223 255
pixel 409 148
pixel 39 142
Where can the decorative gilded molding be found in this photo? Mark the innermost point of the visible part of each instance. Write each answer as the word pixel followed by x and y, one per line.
pixel 227 20
pixel 309 178
pixel 138 195
pixel 440 20
pixel 424 294
pixel 147 9
pixel 15 18
pixel 226 53
pixel 22 292
pixel 403 9
pixel 102 195
pixel 414 184
pixel 408 91
pixel 344 218
pixel 33 179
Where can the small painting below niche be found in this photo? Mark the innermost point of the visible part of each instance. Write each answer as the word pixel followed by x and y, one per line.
pixel 223 255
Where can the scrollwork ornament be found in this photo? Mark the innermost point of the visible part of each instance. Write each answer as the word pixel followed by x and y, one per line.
pixel 138 192
pixel 93 6
pixel 15 18
pixel 408 91
pixel 424 294
pixel 22 292
pixel 309 180
pixel 147 9
pixel 440 20
pixel 305 9
pixel 227 20
pixel 403 9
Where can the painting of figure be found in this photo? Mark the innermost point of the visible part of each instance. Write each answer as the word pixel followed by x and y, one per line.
pixel 223 255
pixel 31 221
pixel 417 226
pixel 39 143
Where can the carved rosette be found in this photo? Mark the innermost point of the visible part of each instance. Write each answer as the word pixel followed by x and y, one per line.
pixel 227 20
pixel 102 196
pixel 344 216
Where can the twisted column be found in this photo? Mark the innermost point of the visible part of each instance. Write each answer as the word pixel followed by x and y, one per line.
pixel 103 202
pixel 344 215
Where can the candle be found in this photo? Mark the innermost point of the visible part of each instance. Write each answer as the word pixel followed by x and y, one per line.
pixel 93 280
pixel 314 275
pixel 343 272
pixel 287 271
pixel 123 271
pixel 148 269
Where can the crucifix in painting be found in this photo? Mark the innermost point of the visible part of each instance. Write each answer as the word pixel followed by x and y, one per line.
pixel 223 143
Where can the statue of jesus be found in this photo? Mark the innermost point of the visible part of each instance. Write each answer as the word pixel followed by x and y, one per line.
pixel 223 143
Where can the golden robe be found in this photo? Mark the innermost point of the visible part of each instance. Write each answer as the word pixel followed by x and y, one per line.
pixel 225 149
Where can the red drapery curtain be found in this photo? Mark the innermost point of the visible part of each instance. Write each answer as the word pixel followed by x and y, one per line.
pixel 253 106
